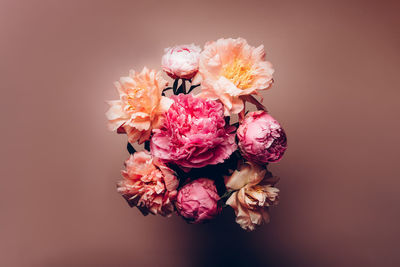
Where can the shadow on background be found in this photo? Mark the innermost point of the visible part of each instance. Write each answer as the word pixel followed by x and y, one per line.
pixel 218 243
pixel 224 243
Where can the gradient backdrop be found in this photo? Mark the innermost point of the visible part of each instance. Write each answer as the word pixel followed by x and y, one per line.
pixel 336 94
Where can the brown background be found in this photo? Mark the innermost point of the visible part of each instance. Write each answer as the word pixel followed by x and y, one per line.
pixel 336 94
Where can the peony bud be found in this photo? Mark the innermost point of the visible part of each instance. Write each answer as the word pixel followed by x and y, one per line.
pixel 181 61
pixel 197 201
pixel 261 138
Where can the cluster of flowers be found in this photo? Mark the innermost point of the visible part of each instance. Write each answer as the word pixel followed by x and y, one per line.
pixel 194 161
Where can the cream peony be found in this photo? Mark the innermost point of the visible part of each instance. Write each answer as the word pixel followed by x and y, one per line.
pixel 140 107
pixel 231 69
pixel 254 193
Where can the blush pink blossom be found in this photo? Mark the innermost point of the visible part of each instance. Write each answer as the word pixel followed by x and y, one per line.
pixel 261 138
pixel 181 61
pixel 194 133
pixel 197 201
pixel 148 184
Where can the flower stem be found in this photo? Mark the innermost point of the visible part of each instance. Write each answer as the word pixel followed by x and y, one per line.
pixel 183 86
pixel 175 86
pixel 254 101
pixel 242 114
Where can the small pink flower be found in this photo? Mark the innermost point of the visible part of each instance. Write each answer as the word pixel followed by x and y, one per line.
pixel 193 134
pixel 197 201
pixel 148 184
pixel 181 61
pixel 261 138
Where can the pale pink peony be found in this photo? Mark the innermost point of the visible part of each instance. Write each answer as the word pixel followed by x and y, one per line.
pixel 197 201
pixel 181 61
pixel 261 138
pixel 148 184
pixel 231 70
pixel 253 194
pixel 141 105
pixel 194 133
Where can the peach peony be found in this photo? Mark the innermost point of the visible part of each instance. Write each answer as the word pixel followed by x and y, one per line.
pixel 231 70
pixel 255 193
pixel 148 184
pixel 141 105
pixel 181 61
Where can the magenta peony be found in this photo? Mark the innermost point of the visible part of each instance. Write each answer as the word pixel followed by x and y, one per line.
pixel 197 201
pixel 194 133
pixel 261 138
pixel 181 61
pixel 148 184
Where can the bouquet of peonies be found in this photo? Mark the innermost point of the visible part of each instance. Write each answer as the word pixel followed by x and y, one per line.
pixel 195 160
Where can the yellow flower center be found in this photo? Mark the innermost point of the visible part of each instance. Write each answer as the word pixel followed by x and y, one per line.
pixel 240 73
pixel 138 100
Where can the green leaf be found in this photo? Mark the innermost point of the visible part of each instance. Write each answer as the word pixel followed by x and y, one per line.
pixel 147 145
pixel 174 87
pixel 130 148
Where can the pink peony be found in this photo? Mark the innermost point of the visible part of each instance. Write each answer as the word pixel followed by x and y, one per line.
pixel 194 133
pixel 261 138
pixel 181 61
pixel 148 184
pixel 197 201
